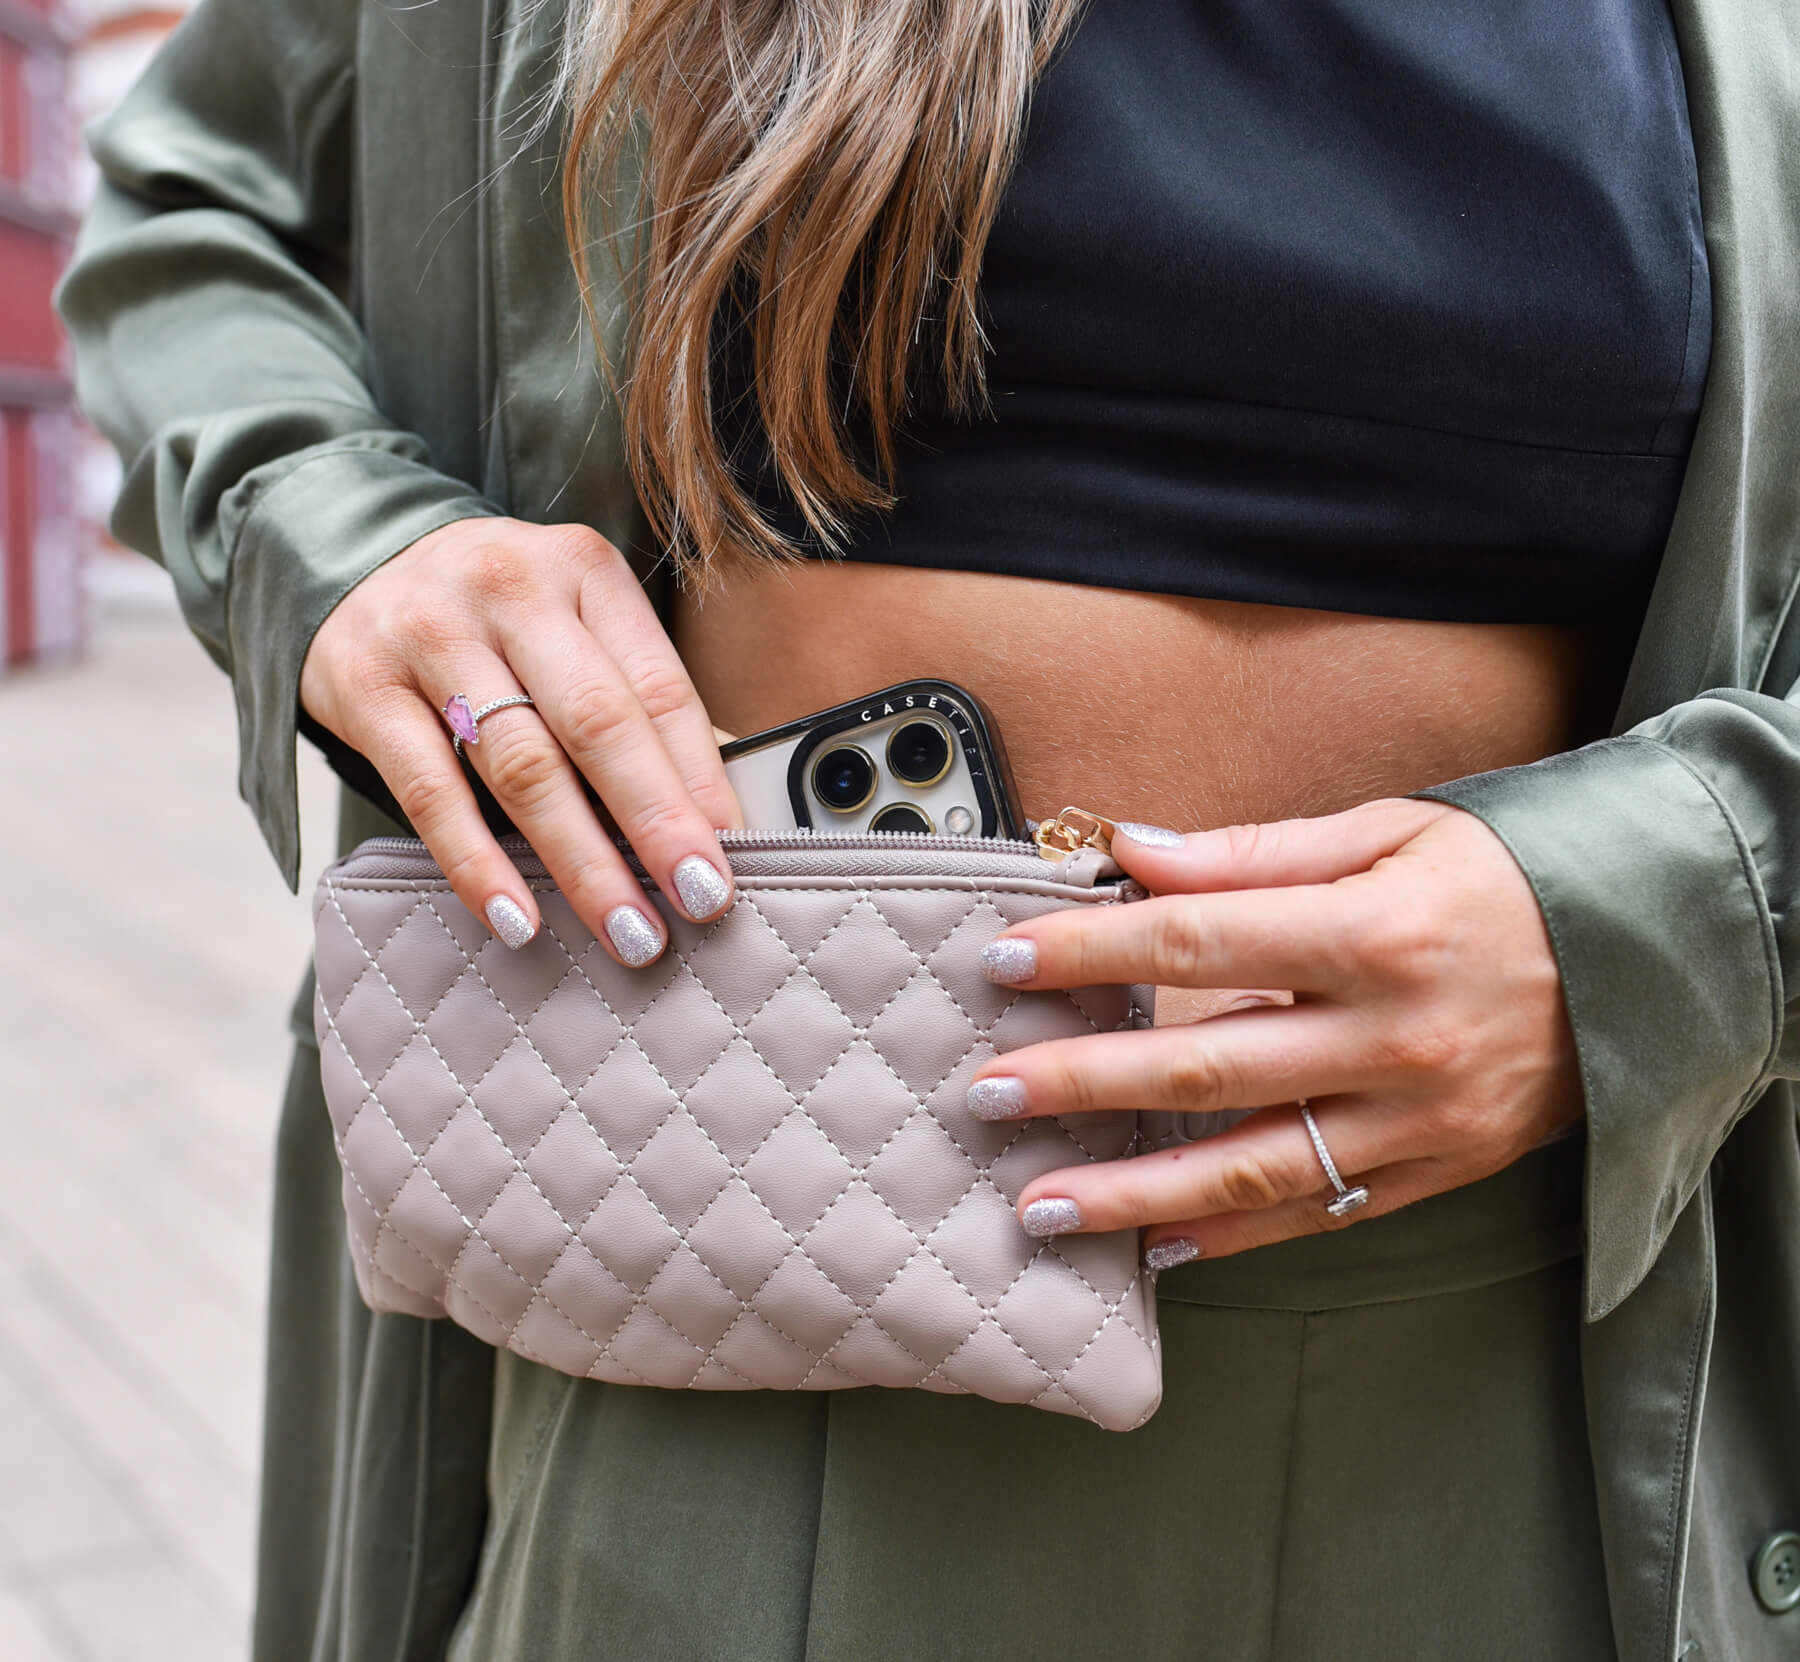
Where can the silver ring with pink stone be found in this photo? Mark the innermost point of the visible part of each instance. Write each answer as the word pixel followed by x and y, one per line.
pixel 465 720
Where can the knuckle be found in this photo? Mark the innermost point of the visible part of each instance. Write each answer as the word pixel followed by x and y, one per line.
pixel 1399 944
pixel 662 686
pixel 465 871
pixel 373 679
pixel 1073 1087
pixel 426 798
pixel 577 547
pixel 1180 944
pixel 656 821
pixel 1138 1209
pixel 1193 1078
pixel 501 575
pixel 1248 1183
pixel 424 631
pixel 596 884
pixel 1420 1046
pixel 599 721
pixel 1462 1122
pixel 1432 1047
pixel 1245 843
pixel 525 769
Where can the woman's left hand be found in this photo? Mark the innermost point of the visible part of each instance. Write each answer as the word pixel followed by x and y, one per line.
pixel 1427 1033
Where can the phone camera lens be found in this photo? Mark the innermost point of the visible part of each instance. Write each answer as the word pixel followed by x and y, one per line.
pixel 844 777
pixel 900 816
pixel 919 752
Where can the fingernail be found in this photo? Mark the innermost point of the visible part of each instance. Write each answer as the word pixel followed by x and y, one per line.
pixel 1151 836
pixel 1051 1217
pixel 999 1098
pixel 638 940
pixel 1165 1255
pixel 700 887
pixel 1009 961
pixel 506 917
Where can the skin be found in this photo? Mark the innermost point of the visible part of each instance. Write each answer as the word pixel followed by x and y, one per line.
pixel 487 607
pixel 1427 1028
pixel 1383 958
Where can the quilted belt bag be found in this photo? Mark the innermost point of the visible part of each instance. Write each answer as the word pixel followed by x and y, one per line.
pixel 751 1164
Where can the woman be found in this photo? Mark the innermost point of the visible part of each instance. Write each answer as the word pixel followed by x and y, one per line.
pixel 1302 492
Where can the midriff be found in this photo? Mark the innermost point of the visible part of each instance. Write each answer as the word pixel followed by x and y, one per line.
pixel 1155 707
pixel 1165 708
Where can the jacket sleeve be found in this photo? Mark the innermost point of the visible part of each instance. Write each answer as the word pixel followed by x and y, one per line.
pixel 1667 864
pixel 213 346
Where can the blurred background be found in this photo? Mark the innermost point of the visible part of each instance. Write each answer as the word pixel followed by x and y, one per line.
pixel 148 957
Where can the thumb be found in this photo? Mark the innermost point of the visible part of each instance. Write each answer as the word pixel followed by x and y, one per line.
pixel 1272 855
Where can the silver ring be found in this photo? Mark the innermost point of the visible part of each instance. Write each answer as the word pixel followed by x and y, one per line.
pixel 464 720
pixel 1348 1200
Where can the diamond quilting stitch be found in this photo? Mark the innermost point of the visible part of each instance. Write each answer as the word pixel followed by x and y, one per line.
pixel 866 968
pixel 861 1244
pixel 383 1024
pixel 519 1096
pixel 982 1237
pixel 625 1101
pixel 860 1103
pixel 685 1031
pixel 629 1235
pixel 798 1172
pixel 741 961
pixel 572 1165
pixel 922 1031
pixel 741 1238
pixel 928 1310
pixel 575 1026
pixel 469 1028
pixel 680 1169
pixel 912 1177
pixel 799 1032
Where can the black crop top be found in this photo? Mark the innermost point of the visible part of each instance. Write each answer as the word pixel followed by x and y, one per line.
pixel 1383 306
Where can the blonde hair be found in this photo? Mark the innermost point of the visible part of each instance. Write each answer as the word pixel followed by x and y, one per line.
pixel 824 174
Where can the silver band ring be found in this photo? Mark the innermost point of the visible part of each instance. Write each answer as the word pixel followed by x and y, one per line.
pixel 464 720
pixel 1348 1200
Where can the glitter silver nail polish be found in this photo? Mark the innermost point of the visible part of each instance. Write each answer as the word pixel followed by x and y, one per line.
pixel 1009 961
pixel 999 1098
pixel 506 917
pixel 638 940
pixel 1152 836
pixel 700 887
pixel 1052 1217
pixel 1165 1255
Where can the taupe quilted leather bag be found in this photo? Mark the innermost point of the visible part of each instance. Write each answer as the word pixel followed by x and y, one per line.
pixel 749 1165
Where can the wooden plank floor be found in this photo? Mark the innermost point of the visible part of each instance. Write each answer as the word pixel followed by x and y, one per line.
pixel 148 956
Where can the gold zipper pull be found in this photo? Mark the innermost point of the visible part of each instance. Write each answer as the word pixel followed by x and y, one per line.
pixel 1071 829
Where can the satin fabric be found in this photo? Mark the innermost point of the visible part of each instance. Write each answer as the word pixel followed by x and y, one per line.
pixel 321 304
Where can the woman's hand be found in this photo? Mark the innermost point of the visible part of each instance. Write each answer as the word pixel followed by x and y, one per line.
pixel 493 607
pixel 1427 1032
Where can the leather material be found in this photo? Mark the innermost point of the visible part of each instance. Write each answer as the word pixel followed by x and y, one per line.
pixel 749 1165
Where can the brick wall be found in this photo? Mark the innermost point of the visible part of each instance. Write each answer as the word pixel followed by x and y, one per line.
pixel 41 603
pixel 62 62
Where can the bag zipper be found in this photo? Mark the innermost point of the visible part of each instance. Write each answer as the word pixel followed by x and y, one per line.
pixel 1051 839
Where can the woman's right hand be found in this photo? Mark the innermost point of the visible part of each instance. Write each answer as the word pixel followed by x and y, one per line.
pixel 493 607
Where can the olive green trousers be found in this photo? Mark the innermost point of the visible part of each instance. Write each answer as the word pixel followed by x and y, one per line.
pixel 1372 1445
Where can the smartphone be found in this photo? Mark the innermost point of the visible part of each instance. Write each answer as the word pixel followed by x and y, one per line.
pixel 920 756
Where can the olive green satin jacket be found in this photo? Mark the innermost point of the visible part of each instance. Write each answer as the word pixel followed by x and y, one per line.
pixel 322 306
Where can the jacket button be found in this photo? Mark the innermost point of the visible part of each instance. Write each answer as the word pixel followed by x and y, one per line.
pixel 1776 1573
